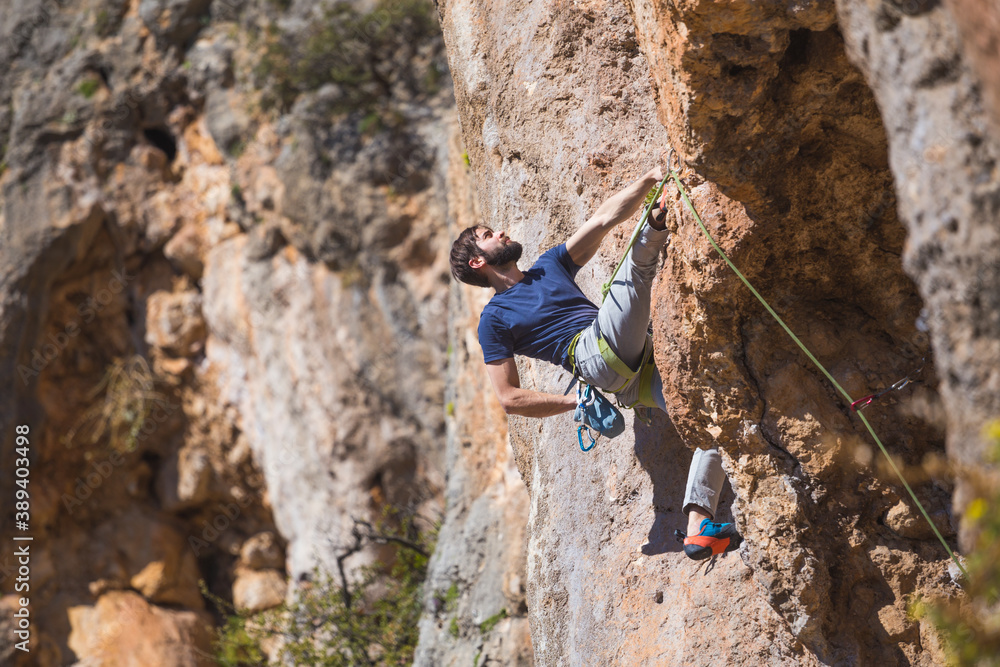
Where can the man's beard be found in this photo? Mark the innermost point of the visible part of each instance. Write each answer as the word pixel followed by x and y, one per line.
pixel 504 255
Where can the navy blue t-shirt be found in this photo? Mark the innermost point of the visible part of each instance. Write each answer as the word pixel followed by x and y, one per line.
pixel 538 316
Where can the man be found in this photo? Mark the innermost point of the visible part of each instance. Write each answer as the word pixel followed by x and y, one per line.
pixel 542 313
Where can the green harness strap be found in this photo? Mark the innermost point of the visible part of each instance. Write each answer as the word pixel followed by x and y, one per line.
pixel 609 356
pixel 820 366
pixel 616 364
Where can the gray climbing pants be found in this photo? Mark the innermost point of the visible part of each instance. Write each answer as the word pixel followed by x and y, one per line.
pixel 622 321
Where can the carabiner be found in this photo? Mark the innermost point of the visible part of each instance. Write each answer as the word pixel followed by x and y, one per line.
pixel 863 402
pixel 902 383
pixel 671 154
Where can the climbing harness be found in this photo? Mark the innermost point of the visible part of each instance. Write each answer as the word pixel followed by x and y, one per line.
pixel 675 175
pixel 645 372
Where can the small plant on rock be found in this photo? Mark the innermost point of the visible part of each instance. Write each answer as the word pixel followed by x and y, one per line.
pixel 492 621
pixel 366 55
pixel 337 622
pixel 121 403
pixel 88 87
pixel 970 626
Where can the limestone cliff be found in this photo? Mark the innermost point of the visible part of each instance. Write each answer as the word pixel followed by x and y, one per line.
pixel 222 309
pixel 226 315
pixel 860 202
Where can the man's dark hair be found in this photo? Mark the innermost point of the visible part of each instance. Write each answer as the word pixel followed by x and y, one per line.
pixel 462 250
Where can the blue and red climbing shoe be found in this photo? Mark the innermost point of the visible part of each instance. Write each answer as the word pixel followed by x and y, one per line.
pixel 712 539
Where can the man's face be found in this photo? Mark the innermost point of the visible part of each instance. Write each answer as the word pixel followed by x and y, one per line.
pixel 497 248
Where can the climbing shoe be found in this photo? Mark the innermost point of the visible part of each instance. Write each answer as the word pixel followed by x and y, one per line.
pixel 712 539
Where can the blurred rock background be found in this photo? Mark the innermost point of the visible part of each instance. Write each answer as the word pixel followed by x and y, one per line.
pixel 224 302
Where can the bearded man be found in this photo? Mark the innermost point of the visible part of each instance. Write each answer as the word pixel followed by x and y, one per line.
pixel 543 314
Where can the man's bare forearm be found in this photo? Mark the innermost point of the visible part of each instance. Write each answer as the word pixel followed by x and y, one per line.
pixel 529 403
pixel 620 206
pixel 583 245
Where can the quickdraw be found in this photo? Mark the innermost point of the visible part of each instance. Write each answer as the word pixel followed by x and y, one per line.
pixel 579 436
pixel 867 400
pixel 583 396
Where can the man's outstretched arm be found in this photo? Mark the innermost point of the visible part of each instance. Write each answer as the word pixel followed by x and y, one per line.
pixel 583 245
pixel 517 401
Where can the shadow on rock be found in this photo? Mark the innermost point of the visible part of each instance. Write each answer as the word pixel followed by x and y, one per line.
pixel 666 458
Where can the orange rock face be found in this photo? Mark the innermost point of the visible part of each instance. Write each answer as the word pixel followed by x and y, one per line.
pixel 123 629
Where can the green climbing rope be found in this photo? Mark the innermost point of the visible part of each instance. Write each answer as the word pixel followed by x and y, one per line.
pixel 606 287
pixel 680 186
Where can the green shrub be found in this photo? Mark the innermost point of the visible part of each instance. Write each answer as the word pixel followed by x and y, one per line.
pixel 105 23
pixel 371 124
pixel 121 403
pixel 240 646
pixel 363 53
pixel 451 597
pixel 492 621
pixel 88 87
pixel 970 625
pixel 236 147
pixel 336 623
pixel 432 79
